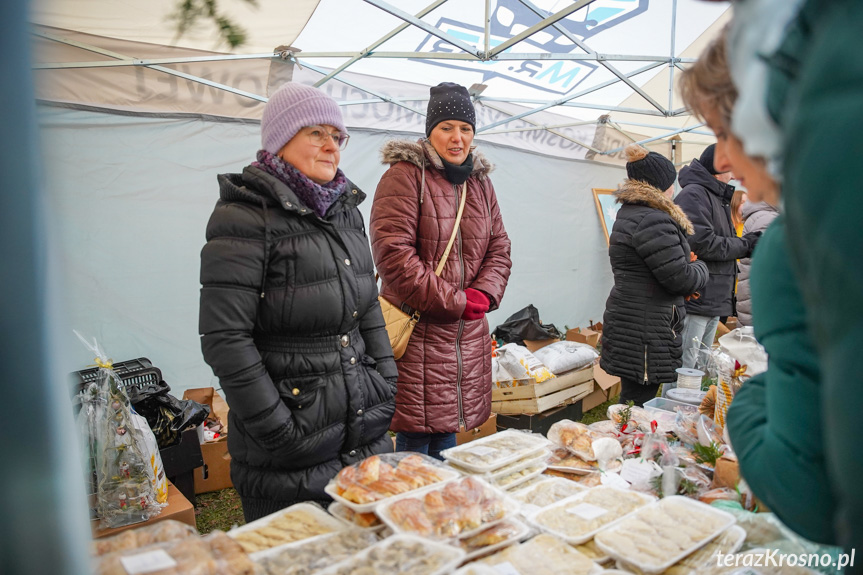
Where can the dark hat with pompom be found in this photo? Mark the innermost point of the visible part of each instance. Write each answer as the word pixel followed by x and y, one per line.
pixel 650 167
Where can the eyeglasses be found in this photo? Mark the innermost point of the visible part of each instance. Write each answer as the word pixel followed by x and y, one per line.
pixel 319 136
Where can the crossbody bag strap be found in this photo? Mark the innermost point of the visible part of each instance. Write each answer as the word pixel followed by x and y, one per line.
pixel 454 231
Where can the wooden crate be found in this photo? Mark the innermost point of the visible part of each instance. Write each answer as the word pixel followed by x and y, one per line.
pixel 539 404
pixel 529 389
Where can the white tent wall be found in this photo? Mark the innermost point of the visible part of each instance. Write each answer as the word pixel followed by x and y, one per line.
pixel 131 195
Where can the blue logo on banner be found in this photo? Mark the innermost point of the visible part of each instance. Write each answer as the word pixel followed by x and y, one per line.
pixel 510 18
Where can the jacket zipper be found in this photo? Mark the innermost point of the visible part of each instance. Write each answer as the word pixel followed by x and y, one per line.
pixel 462 424
pixel 488 209
pixel 673 320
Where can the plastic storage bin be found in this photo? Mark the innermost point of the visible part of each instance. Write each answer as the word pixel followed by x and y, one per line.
pixel 664 404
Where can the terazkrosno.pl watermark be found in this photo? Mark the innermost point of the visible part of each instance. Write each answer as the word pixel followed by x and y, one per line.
pixel 774 558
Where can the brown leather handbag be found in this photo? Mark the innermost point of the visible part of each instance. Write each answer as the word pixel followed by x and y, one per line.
pixel 400 325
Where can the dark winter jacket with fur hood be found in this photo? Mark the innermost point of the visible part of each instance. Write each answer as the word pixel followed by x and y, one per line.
pixel 445 374
pixel 644 313
pixel 291 325
pixel 707 203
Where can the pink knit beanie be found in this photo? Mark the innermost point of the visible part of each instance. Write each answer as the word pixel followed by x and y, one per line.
pixel 292 107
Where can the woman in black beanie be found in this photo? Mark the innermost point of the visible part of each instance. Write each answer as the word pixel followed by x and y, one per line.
pixel 653 271
pixel 444 382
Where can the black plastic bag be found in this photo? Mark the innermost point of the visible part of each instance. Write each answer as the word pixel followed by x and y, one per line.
pixel 167 415
pixel 524 324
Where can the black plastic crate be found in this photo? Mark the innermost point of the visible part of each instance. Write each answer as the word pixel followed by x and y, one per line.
pixel 138 373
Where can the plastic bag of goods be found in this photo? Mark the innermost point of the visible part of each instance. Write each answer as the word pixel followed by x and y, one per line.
pixel 521 364
pixel 563 356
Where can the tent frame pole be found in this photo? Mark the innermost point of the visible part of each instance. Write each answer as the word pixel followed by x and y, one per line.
pixel 434 31
pixel 371 47
pixel 548 105
pixel 602 60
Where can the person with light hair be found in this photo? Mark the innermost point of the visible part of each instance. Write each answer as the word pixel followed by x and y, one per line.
pixel 775 421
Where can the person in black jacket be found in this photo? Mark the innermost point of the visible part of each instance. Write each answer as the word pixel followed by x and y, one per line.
pixel 706 200
pixel 289 320
pixel 653 271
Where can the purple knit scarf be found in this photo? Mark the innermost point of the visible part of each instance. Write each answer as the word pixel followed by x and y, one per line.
pixel 316 196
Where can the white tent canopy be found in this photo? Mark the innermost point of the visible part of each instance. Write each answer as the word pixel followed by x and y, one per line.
pixel 136 123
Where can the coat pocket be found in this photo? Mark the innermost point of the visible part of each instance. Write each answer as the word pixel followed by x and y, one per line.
pixel 380 391
pixel 677 315
pixel 300 392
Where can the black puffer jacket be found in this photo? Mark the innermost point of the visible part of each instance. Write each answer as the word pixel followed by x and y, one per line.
pixel 707 203
pixel 292 327
pixel 652 273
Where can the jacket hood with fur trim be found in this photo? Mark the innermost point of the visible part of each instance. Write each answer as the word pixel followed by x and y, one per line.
pixel 422 152
pixel 637 192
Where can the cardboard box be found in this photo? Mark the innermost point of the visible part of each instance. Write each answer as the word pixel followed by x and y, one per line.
pixel 607 387
pixel 540 422
pixel 726 473
pixel 215 473
pixel 583 335
pixel 533 345
pixel 179 508
pixel 483 430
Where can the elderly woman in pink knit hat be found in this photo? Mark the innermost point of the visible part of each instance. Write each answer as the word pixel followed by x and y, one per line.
pixel 289 316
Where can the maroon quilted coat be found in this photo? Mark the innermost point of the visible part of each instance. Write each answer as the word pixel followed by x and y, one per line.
pixel 445 375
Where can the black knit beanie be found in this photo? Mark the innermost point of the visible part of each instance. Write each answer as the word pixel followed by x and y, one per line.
pixel 706 158
pixel 649 167
pixel 448 101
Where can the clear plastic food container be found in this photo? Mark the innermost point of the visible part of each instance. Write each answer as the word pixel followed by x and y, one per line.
pixel 547 492
pixel 498 536
pixel 298 522
pixel 728 543
pixel 366 521
pixel 378 478
pixel 312 555
pixel 460 508
pixel 490 453
pixel 517 478
pixel 659 535
pixel 401 555
pixel 578 518
pixel 541 555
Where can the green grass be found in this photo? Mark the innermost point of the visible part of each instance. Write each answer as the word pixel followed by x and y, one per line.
pixel 222 509
pixel 218 510
pixel 598 413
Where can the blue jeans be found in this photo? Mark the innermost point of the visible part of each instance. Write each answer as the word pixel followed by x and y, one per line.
pixel 703 328
pixel 428 443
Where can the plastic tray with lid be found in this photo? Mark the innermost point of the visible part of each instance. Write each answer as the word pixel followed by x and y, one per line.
pixel 513 480
pixel 578 518
pixel 534 458
pixel 487 541
pixel 659 535
pixel 401 554
pixel 298 522
pixel 543 554
pixel 362 486
pixel 545 493
pixel 487 454
pixel 728 543
pixel 460 508
pixel 365 521
pixel 311 555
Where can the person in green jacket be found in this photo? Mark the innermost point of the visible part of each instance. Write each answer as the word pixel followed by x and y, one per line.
pixel 815 93
pixel 774 421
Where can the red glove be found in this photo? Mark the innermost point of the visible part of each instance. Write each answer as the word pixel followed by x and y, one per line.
pixel 477 304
